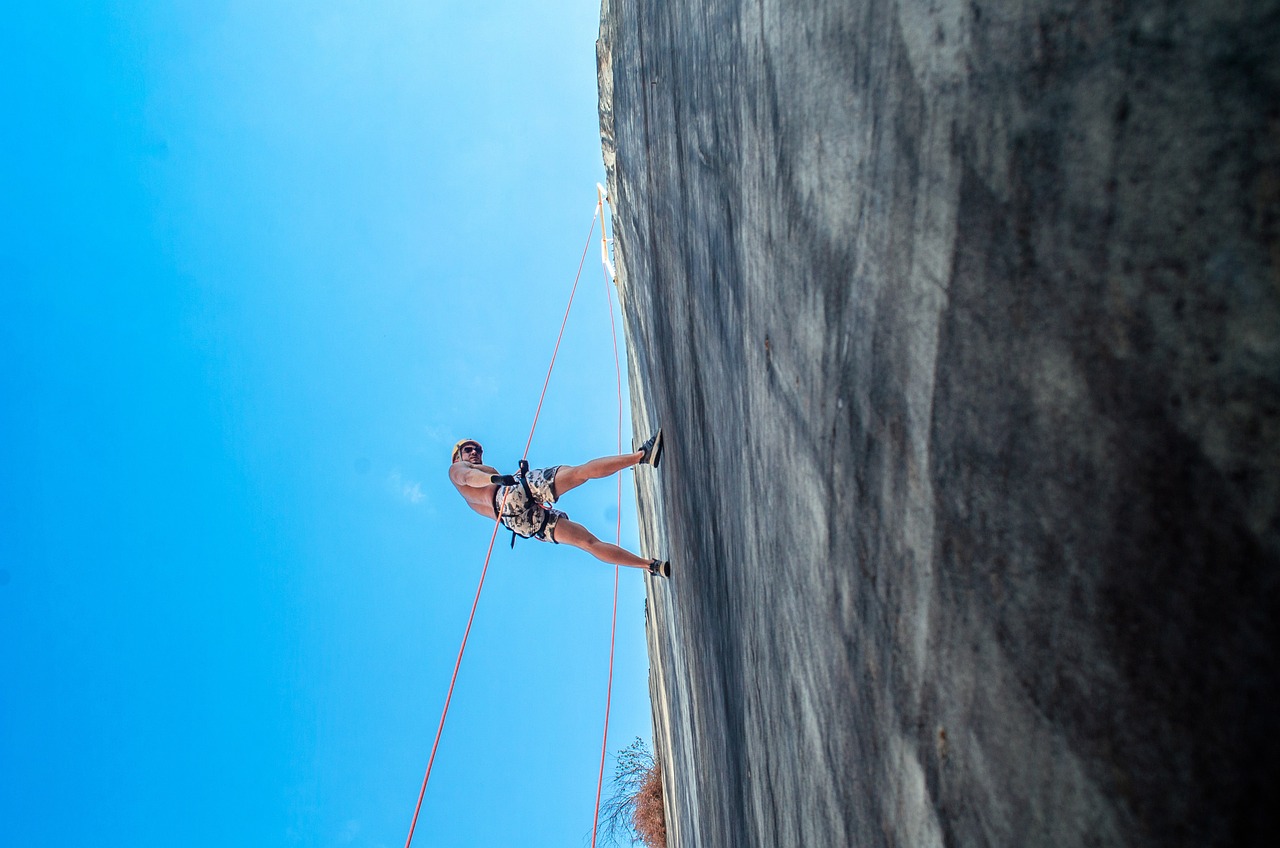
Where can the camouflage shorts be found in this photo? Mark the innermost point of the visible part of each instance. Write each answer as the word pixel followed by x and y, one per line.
pixel 525 518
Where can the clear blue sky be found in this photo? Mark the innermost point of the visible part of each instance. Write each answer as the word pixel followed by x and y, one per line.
pixel 261 263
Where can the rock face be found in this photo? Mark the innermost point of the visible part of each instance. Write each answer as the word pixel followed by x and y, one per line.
pixel 963 322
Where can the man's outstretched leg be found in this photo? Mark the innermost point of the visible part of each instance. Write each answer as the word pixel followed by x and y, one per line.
pixel 570 477
pixel 572 533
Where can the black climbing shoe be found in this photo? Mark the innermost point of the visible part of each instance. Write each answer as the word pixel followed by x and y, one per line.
pixel 652 450
pixel 659 568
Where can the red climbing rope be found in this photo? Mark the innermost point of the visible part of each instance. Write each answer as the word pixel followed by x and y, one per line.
pixel 556 350
pixel 613 628
pixel 457 665
pixel 489 555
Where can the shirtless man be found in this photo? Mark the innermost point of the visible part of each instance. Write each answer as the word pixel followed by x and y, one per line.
pixel 486 491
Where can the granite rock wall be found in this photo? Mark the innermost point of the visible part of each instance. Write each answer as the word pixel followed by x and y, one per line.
pixel 963 322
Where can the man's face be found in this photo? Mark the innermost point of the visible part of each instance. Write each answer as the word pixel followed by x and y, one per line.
pixel 470 452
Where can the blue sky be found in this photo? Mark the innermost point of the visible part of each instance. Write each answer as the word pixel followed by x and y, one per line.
pixel 261 264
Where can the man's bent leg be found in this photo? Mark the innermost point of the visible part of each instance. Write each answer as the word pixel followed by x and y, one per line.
pixel 572 533
pixel 572 476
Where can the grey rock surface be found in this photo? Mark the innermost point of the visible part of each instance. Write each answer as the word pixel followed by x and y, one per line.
pixel 963 323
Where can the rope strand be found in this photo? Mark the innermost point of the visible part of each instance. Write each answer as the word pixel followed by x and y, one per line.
pixel 559 336
pixel 497 523
pixel 453 680
pixel 613 627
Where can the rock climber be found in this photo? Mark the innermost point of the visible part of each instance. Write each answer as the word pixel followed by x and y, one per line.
pixel 522 498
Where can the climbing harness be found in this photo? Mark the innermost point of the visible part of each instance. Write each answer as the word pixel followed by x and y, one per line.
pixel 530 503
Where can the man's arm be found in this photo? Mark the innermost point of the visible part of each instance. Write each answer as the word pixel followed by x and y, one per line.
pixel 471 474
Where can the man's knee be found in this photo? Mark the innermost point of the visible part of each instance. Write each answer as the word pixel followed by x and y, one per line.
pixel 586 539
pixel 572 533
pixel 568 477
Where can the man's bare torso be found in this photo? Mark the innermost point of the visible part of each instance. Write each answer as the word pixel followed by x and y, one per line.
pixel 480 499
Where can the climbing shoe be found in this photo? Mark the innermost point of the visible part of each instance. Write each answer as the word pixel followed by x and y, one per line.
pixel 659 568
pixel 652 450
